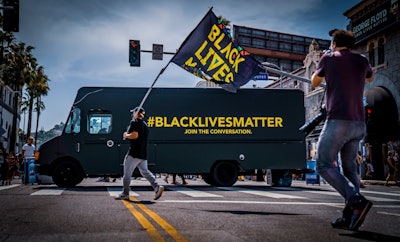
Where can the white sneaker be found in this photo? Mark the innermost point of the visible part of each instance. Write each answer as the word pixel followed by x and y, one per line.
pixel 122 196
pixel 159 192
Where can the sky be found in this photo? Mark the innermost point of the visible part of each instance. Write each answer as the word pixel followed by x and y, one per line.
pixel 85 42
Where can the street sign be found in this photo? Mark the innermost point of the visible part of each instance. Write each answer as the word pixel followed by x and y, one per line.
pixel 157 53
pixel 261 76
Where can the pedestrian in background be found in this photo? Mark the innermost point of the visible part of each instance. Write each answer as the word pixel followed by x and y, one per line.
pixel 370 170
pixel 391 163
pixel 359 160
pixel 182 177
pixel 345 74
pixel 28 149
pixel 137 154
pixel 3 164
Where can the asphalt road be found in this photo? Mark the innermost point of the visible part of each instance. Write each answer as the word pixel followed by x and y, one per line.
pixel 248 211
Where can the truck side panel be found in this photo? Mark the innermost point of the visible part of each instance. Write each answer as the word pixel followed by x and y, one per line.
pixel 190 129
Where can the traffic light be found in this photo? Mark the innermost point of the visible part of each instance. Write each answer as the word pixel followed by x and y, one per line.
pixel 369 113
pixel 134 52
pixel 11 15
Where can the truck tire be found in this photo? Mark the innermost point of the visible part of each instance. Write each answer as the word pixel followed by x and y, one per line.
pixel 224 174
pixel 208 179
pixel 67 174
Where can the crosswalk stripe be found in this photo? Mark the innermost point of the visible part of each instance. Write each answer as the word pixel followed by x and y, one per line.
pixel 115 191
pixel 261 193
pixel 192 193
pixel 52 191
pixel 9 186
pixel 381 199
pixel 381 193
pixel 372 198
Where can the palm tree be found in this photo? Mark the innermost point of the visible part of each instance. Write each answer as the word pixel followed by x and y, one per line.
pixel 36 87
pixel 225 22
pixel 24 104
pixel 18 65
pixel 6 38
pixel 15 71
pixel 39 106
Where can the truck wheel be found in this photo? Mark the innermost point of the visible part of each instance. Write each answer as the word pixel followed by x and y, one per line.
pixel 67 174
pixel 208 179
pixel 224 174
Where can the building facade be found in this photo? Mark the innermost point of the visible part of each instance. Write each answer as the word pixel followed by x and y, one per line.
pixel 286 51
pixel 9 116
pixel 376 25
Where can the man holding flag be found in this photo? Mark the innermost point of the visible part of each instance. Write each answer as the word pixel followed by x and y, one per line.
pixel 137 155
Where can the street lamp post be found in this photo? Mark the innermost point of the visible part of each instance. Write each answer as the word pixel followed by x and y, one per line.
pixel 282 73
pixel 268 64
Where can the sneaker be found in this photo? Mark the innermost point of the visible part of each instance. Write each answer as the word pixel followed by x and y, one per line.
pixel 344 221
pixel 340 223
pixel 122 196
pixel 159 192
pixel 360 211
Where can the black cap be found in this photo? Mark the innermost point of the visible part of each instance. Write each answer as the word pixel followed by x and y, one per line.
pixel 332 31
pixel 138 110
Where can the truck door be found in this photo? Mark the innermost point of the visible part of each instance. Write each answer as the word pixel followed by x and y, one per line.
pixel 101 147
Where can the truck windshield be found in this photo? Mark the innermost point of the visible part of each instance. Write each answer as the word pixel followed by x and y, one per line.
pixel 74 121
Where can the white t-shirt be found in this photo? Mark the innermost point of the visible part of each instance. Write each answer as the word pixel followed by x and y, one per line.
pixel 29 150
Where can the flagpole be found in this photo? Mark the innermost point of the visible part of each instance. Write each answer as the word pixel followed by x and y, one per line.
pixel 154 82
pixel 266 68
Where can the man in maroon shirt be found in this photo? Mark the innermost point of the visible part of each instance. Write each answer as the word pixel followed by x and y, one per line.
pixel 345 74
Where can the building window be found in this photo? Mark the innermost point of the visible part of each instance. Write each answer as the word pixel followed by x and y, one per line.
pixel 259 43
pixel 258 32
pixel 285 37
pixel 381 51
pixel 245 41
pixel 297 65
pixel 298 49
pixel 286 65
pixel 272 45
pixel 371 54
pixel 298 39
pixel 245 30
pixel 285 47
pixel 10 99
pixel 272 35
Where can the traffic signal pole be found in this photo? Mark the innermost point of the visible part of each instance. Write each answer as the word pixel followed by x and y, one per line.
pixel 10 15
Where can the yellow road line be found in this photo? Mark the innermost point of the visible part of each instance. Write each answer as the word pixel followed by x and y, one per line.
pixel 160 221
pixel 151 230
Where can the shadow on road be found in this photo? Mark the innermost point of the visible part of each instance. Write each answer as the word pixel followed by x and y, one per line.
pixel 372 236
pixel 250 212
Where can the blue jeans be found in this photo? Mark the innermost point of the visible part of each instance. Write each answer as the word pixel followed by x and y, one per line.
pixel 340 136
pixel 130 164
